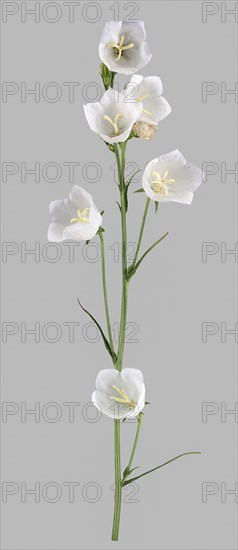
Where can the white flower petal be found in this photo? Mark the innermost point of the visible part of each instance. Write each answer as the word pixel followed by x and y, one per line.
pixel 92 112
pixel 61 211
pixel 80 197
pixel 106 378
pixel 80 231
pixel 132 374
pixel 134 31
pixel 55 232
pixel 159 107
pixel 111 32
pixel 174 159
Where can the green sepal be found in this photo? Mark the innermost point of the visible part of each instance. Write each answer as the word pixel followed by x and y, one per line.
pixel 106 76
pixel 156 206
pixel 132 135
pixel 110 147
pixel 100 230
pixel 105 340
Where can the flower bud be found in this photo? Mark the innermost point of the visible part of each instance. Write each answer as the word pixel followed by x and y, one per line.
pixel 106 75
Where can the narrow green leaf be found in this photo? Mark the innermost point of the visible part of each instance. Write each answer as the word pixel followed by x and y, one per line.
pixel 161 466
pixel 156 206
pixel 141 190
pixel 127 188
pixel 105 340
pixel 130 180
pixel 118 205
pixel 132 271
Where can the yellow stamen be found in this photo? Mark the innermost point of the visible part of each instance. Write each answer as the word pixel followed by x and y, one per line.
pixel 143 97
pixel 119 48
pixel 159 185
pixel 147 112
pixel 113 123
pixel 82 216
pixel 124 399
pixel 140 100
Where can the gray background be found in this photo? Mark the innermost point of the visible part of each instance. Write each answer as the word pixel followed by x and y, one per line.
pixel 173 293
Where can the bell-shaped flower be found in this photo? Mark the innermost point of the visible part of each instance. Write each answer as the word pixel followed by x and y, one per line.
pixel 76 218
pixel 148 90
pixel 123 48
pixel 119 394
pixel 170 178
pixel 111 117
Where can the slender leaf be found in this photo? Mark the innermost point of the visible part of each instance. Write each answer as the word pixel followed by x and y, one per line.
pixel 161 466
pixel 130 180
pixel 127 187
pixel 141 190
pixel 132 270
pixel 105 340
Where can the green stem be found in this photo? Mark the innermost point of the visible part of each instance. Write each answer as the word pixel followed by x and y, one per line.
pixel 118 366
pixel 118 486
pixel 141 231
pixel 127 471
pixel 124 301
pixel 105 291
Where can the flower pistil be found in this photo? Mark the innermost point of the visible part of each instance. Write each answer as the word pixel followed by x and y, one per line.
pixel 114 123
pixel 119 48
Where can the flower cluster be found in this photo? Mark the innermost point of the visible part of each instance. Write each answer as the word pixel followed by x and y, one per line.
pixel 118 117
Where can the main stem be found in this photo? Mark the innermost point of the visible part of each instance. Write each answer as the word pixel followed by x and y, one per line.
pixel 118 366
pixel 118 485
pixel 104 282
pixel 124 301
